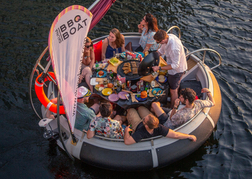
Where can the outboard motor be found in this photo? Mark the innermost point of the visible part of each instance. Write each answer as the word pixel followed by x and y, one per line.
pixel 49 134
pixel 145 67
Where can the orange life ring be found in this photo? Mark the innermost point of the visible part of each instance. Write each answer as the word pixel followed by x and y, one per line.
pixel 43 98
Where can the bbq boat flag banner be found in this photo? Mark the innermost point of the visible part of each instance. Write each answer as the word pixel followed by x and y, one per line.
pixel 66 41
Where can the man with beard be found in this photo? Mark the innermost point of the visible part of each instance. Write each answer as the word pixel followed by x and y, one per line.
pixel 175 118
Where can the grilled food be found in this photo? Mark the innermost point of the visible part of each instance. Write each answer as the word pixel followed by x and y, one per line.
pixel 134 71
pixel 126 68
pixel 133 64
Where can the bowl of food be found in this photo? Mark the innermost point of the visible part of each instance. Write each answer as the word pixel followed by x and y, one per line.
pixel 144 94
pixel 161 79
pixel 157 91
pixel 107 91
pixel 110 85
pixel 101 73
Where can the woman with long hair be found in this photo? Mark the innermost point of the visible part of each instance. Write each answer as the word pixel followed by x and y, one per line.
pixel 148 27
pixel 87 63
pixel 113 44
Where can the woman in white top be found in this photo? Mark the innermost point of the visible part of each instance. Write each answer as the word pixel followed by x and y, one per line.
pixel 148 27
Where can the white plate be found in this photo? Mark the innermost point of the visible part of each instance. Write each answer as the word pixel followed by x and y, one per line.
pixel 93 81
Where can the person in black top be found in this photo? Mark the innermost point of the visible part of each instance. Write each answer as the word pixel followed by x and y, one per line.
pixel 150 127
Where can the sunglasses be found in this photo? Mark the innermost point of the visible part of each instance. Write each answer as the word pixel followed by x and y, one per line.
pixel 87 46
pixel 159 41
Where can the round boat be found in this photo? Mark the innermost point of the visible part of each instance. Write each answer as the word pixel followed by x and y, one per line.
pixel 150 153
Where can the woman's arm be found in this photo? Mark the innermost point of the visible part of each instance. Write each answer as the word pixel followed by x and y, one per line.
pixel 150 41
pixel 104 48
pixel 147 47
pixel 123 45
pixel 140 28
pixel 92 58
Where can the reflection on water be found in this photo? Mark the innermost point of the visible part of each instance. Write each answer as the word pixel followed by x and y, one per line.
pixel 224 26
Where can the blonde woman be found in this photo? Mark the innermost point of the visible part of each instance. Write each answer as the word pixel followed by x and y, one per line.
pixel 88 61
pixel 114 43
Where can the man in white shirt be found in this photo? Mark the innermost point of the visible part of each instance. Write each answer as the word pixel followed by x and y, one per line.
pixel 172 48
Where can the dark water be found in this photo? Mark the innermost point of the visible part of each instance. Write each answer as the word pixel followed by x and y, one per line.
pixel 223 25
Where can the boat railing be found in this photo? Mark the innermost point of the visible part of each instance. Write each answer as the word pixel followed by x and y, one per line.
pixel 189 121
pixel 179 35
pixel 204 55
pixel 131 34
pixel 122 140
pixel 174 27
pixel 127 34
pixel 45 71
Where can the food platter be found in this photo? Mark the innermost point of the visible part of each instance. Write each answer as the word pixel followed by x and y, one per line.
pixel 114 61
pixel 161 79
pixel 93 81
pixel 123 54
pixel 132 72
pixel 157 91
pixel 101 76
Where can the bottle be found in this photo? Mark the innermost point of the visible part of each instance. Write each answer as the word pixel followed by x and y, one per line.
pixel 128 84
pixel 146 53
pixel 152 84
pixel 110 75
pixel 140 57
pixel 115 84
pixel 119 86
pixel 138 86
pixel 130 128
pixel 141 85
pixel 96 65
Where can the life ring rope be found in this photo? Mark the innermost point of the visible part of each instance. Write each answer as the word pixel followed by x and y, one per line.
pixel 43 98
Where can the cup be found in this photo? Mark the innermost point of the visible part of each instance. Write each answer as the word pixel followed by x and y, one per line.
pixel 152 84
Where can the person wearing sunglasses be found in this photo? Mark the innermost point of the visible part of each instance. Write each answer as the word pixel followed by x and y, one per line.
pixel 113 44
pixel 88 61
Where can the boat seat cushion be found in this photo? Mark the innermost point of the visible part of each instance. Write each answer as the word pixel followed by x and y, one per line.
pixel 98 50
pixel 193 84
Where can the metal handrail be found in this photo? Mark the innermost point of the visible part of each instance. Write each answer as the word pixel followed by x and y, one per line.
pixel 173 27
pixel 31 78
pixel 45 70
pixel 123 33
pixel 204 55
pixel 179 35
